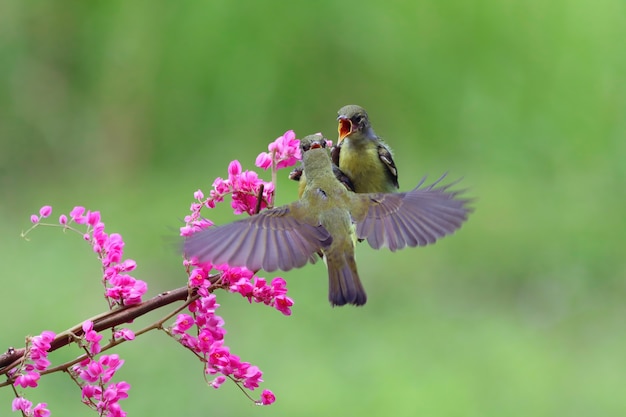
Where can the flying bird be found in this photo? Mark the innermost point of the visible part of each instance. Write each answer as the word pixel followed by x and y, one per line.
pixel 327 220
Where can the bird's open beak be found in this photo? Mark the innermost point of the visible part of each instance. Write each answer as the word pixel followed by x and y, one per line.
pixel 344 128
pixel 316 144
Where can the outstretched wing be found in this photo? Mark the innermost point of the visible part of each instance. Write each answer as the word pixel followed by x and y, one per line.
pixel 273 239
pixel 415 218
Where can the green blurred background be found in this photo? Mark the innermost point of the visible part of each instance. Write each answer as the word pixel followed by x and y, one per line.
pixel 127 107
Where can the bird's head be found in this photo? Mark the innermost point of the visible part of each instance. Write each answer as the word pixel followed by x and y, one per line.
pixel 352 119
pixel 312 142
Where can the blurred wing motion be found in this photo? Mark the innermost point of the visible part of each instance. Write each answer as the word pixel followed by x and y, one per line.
pixel 273 239
pixel 415 218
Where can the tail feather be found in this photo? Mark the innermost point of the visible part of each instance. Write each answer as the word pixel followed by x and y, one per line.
pixel 344 284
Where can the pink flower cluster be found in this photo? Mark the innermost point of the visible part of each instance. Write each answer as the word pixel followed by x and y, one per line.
pixel 245 187
pixel 96 374
pixel 274 294
pixel 35 361
pixel 207 341
pixel 120 288
pixel 26 407
pixel 283 152
pixel 243 281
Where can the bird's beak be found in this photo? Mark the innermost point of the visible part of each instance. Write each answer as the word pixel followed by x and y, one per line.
pixel 344 128
pixel 316 144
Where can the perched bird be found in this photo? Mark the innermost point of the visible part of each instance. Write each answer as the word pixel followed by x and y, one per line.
pixel 361 155
pixel 328 219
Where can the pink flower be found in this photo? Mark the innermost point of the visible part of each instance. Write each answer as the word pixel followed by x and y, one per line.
pixel 267 397
pixel 197 277
pixel 28 380
pixel 34 219
pixel 42 342
pixel 286 149
pixel 116 392
pixel 45 211
pixel 40 410
pixel 182 324
pixel 92 371
pixel 279 286
pixel 93 218
pixel 92 337
pixel 264 160
pixel 220 355
pixel 42 364
pixel 252 378
pixel 243 287
pixel 90 391
pixel 218 381
pixel 21 404
pixel 283 304
pixel 63 219
pixel 125 334
pixel 220 186
pixel 77 215
pixel 234 169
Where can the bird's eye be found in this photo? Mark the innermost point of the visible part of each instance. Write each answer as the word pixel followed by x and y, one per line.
pixel 357 120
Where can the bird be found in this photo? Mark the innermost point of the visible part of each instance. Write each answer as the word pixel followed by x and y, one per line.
pixel 327 220
pixel 362 155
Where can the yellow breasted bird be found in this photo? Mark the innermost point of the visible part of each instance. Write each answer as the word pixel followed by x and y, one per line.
pixel 361 155
pixel 328 219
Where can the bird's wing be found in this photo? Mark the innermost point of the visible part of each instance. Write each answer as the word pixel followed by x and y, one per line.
pixel 282 238
pixel 339 174
pixel 415 218
pixel 384 154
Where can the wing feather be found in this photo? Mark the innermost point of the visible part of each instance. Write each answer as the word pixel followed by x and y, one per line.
pixel 415 218
pixel 273 239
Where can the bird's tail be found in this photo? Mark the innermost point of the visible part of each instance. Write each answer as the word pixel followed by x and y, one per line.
pixel 344 284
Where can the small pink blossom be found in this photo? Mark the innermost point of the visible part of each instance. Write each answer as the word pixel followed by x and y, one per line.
pixel 63 219
pixel 234 170
pixel 92 337
pixel 89 391
pixel 252 377
pixel 283 304
pixel 125 334
pixel 29 379
pixel 45 211
pixel 34 219
pixel 264 160
pixel 116 392
pixel 42 342
pixel 40 410
pixel 284 151
pixel 182 324
pixel 218 381
pixel 77 215
pixel 198 277
pixel 21 404
pixel 93 218
pixel 267 397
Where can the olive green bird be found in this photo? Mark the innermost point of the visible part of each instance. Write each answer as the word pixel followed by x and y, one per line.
pixel 327 220
pixel 363 156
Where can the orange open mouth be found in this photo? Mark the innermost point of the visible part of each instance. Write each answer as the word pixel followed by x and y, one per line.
pixel 344 128
pixel 315 145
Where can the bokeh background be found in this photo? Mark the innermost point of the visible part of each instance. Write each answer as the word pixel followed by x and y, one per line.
pixel 129 107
